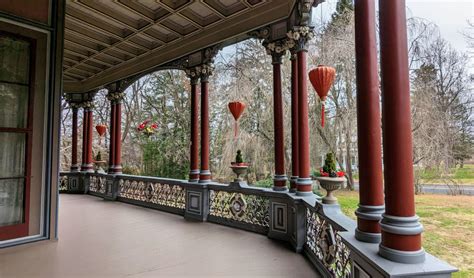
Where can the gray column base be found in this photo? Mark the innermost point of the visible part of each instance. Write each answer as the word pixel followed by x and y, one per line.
pixel 75 168
pixel 406 257
pixel 205 173
pixel 368 237
pixel 401 225
pixel 304 181
pixel 370 213
pixel 87 168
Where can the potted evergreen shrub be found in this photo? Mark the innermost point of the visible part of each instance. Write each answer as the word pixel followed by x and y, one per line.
pixel 330 179
pixel 239 167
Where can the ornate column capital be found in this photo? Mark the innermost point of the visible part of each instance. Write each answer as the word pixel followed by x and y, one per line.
pixel 193 74
pixel 277 49
pixel 87 105
pixel 300 35
pixel 204 71
pixel 116 90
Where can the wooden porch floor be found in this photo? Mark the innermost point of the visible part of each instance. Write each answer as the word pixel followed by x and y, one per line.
pixel 112 239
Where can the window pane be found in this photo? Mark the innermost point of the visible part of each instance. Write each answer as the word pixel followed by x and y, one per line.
pixel 13 105
pixel 14 60
pixel 11 201
pixel 12 154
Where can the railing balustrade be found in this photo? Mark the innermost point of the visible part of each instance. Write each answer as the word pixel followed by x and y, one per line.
pixel 310 226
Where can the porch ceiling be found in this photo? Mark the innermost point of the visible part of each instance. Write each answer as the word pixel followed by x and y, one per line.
pixel 107 41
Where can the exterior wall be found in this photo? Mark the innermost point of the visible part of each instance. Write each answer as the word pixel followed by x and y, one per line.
pixel 43 21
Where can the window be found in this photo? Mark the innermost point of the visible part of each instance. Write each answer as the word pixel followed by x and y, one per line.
pixel 15 134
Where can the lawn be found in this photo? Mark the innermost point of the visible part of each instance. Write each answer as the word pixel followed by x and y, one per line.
pixel 461 176
pixel 448 222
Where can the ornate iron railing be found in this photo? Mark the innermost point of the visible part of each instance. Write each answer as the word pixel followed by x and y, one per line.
pixel 152 192
pixel 97 184
pixel 325 243
pixel 240 209
pixel 63 182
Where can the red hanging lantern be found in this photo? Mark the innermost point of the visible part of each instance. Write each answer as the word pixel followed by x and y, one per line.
pixel 322 78
pixel 101 128
pixel 236 108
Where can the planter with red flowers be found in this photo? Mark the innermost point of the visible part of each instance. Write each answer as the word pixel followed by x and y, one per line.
pixel 239 167
pixel 147 128
pixel 330 179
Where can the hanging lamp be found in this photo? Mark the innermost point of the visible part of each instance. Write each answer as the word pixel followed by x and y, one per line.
pixel 101 129
pixel 236 108
pixel 322 78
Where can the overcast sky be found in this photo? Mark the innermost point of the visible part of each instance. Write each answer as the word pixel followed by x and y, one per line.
pixel 450 15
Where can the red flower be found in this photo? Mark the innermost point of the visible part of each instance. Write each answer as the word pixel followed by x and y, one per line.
pixel 141 126
pixel 324 174
pixel 154 126
pixel 340 174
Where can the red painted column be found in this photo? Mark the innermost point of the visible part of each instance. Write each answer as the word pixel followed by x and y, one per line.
pixel 74 164
pixel 118 137
pixel 401 230
pixel 112 138
pixel 279 180
pixel 371 197
pixel 194 148
pixel 294 123
pixel 205 173
pixel 87 165
pixel 304 183
pixel 89 138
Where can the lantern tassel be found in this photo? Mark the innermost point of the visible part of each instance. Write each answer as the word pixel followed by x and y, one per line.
pixel 322 115
pixel 236 129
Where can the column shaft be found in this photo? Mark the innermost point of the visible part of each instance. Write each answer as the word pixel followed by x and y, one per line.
pixel 87 142
pixel 401 230
pixel 118 138
pixel 304 184
pixel 294 123
pixel 280 175
pixel 194 148
pixel 205 173
pixel 74 165
pixel 112 138
pixel 371 204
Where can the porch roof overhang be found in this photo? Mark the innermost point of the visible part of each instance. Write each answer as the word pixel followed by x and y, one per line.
pixel 107 41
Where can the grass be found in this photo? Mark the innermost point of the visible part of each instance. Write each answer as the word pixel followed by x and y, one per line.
pixel 448 223
pixel 461 176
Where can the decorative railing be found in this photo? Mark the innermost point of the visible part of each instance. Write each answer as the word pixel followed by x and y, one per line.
pixel 243 210
pixel 152 192
pixel 97 184
pixel 63 182
pixel 243 207
pixel 324 242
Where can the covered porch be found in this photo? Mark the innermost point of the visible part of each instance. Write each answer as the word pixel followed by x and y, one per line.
pixel 111 44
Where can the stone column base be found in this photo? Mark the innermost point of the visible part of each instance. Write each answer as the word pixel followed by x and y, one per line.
pixel 370 215
pixel 304 187
pixel 205 176
pixel 279 183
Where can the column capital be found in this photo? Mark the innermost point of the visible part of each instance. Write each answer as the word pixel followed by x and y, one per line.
pixel 204 71
pixel 300 35
pixel 115 96
pixel 193 74
pixel 277 49
pixel 87 105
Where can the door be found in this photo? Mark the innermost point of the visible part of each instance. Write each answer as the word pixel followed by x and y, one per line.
pixel 16 104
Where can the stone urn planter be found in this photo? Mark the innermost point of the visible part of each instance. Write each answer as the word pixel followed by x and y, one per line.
pixel 239 169
pixel 330 184
pixel 99 166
